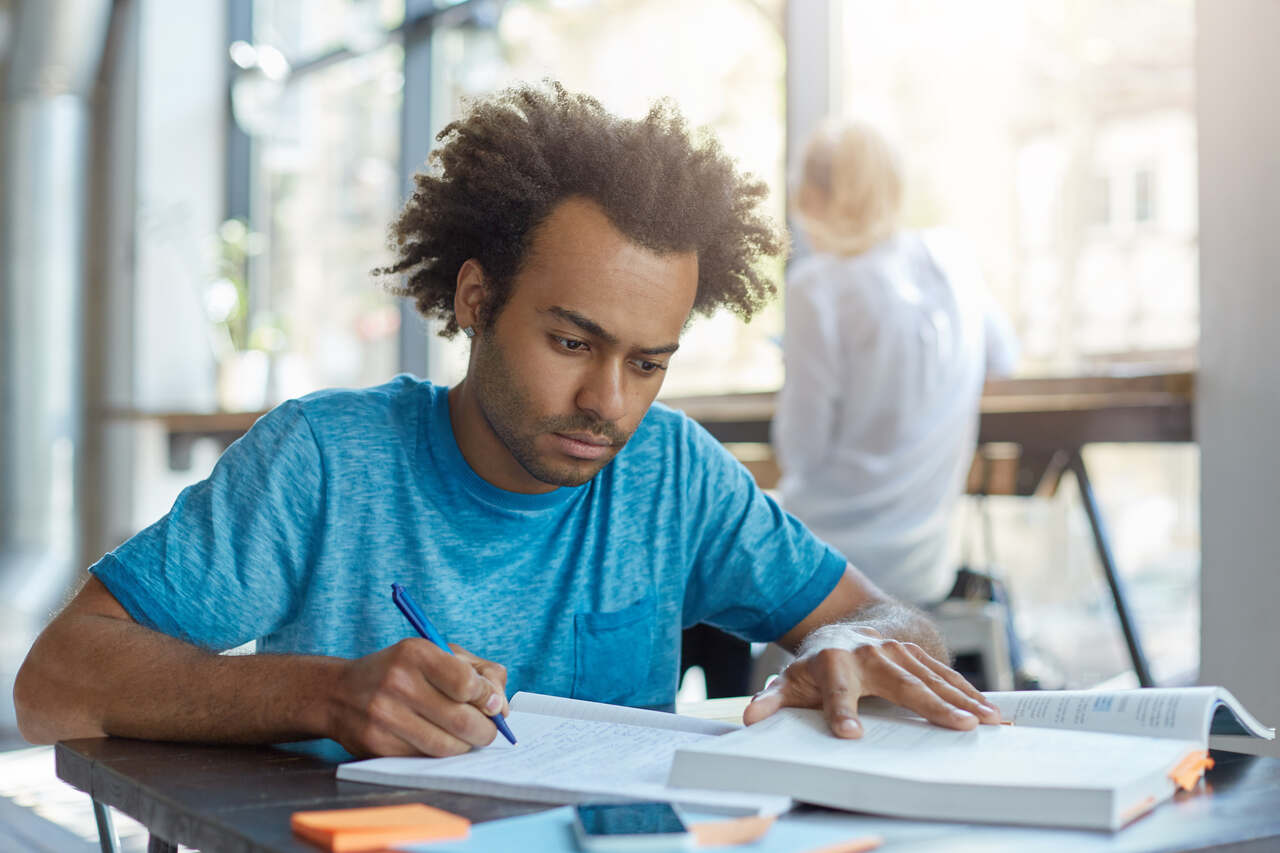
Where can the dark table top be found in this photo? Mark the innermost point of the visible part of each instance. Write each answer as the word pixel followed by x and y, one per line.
pixel 228 798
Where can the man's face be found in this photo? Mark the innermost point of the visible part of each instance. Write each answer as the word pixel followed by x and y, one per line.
pixel 565 372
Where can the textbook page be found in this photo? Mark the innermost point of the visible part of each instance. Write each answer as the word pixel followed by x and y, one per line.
pixel 1185 713
pixel 910 768
pixel 998 756
pixel 563 760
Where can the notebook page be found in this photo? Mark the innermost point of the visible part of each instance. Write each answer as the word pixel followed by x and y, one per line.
pixel 579 709
pixel 563 760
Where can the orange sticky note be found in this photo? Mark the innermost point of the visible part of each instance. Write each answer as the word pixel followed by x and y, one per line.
pixel 352 830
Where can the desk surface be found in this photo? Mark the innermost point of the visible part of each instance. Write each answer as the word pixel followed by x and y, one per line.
pixel 240 798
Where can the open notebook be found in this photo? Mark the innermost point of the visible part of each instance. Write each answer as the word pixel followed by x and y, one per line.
pixel 1094 759
pixel 572 751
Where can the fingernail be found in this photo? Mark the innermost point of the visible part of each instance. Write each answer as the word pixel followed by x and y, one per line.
pixel 849 727
pixel 962 716
pixel 494 704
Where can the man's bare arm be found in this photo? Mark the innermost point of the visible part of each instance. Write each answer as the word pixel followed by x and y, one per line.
pixel 889 619
pixel 860 642
pixel 94 671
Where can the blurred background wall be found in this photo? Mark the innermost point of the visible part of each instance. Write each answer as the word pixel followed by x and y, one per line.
pixel 1239 402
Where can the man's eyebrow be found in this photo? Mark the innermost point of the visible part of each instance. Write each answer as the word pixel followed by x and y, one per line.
pixel 591 327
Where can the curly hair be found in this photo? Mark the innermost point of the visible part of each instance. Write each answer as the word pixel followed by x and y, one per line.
pixel 507 164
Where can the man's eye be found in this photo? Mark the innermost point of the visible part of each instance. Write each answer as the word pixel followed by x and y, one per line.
pixel 570 344
pixel 650 366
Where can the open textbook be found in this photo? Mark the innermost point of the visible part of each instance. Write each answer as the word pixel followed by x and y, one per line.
pixel 572 751
pixel 1093 759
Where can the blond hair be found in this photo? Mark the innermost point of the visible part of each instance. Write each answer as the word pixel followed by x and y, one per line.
pixel 849 192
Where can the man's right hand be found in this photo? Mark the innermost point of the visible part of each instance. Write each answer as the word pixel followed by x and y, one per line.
pixel 94 671
pixel 414 699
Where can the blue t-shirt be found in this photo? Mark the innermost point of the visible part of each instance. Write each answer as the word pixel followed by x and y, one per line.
pixel 295 539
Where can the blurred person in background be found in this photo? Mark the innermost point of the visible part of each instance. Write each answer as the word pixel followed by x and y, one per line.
pixel 890 334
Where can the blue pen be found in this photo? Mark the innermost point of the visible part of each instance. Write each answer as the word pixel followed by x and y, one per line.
pixel 423 626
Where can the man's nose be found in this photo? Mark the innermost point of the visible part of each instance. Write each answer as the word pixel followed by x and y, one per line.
pixel 602 393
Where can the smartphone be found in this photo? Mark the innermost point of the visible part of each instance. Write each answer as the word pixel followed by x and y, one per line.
pixel 630 826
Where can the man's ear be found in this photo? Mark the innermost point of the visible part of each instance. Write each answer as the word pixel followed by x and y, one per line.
pixel 470 295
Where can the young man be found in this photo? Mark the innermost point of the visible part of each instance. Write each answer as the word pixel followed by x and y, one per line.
pixel 553 522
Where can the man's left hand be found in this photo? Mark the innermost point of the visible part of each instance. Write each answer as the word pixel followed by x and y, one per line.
pixel 850 662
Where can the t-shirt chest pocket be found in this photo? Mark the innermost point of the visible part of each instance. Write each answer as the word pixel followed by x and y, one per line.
pixel 612 652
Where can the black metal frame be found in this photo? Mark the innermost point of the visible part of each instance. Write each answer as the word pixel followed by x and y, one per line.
pixel 239 153
pixel 1103 544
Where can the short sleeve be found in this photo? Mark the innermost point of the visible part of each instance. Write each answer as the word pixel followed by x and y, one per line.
pixel 228 562
pixel 757 571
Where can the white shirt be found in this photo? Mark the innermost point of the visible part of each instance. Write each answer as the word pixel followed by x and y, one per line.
pixel 886 353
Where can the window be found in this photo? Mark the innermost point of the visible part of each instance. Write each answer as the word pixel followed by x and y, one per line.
pixel 327 186
pixel 305 30
pixel 1048 132
pixel 1100 203
pixel 1026 125
pixel 721 61
pixel 1143 191
pixel 321 98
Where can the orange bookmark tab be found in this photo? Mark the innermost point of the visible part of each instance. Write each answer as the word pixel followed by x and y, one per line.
pixel 354 830
pixel 1187 772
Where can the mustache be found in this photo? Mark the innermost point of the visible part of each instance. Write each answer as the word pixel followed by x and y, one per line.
pixel 585 423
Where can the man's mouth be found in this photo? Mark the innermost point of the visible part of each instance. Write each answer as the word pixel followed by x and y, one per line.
pixel 587 438
pixel 583 445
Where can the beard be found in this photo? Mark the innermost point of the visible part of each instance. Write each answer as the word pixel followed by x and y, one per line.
pixel 506 408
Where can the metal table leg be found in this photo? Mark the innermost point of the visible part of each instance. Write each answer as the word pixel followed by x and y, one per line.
pixel 106 828
pixel 1109 569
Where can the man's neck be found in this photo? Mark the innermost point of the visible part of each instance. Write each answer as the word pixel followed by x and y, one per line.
pixel 483 450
